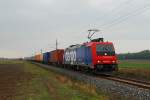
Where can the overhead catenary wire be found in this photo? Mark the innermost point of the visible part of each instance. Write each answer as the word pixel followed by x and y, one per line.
pixel 117 10
pixel 120 7
pixel 127 2
pixel 126 17
pixel 136 11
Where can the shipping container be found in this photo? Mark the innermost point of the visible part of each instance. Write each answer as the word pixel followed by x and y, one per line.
pixel 56 56
pixel 39 57
pixel 46 57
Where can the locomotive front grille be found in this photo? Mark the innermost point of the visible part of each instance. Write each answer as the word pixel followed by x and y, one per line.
pixel 105 67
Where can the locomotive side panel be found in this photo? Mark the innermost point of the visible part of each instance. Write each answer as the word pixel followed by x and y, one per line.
pixel 70 56
pixel 88 56
pixel 80 55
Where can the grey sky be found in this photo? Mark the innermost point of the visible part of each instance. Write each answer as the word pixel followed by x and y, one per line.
pixel 26 26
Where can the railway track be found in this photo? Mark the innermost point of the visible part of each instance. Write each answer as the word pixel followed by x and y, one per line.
pixel 139 83
pixel 139 92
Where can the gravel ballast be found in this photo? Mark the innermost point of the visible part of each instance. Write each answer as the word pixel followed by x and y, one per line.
pixel 105 85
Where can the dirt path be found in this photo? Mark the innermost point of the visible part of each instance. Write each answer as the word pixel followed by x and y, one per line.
pixel 10 76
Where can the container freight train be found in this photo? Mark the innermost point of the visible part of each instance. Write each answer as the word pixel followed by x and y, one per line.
pixel 97 56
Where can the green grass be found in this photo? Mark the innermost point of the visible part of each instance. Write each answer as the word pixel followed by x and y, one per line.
pixel 134 64
pixel 45 85
pixel 34 88
pixel 5 61
pixel 136 69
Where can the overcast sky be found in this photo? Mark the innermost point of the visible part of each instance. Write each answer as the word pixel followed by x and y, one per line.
pixel 27 26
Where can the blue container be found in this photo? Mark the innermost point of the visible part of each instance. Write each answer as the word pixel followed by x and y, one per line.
pixel 46 57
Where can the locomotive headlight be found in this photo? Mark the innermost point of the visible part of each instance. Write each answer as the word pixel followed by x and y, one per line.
pixel 98 61
pixel 113 61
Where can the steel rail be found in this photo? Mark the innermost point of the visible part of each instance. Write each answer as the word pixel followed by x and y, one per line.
pixel 139 83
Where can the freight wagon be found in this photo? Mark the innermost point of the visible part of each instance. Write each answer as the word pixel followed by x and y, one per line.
pixel 56 56
pixel 46 57
pixel 39 57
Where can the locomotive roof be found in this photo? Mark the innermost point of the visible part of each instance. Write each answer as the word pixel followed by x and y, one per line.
pixel 74 46
pixel 91 43
pixel 87 44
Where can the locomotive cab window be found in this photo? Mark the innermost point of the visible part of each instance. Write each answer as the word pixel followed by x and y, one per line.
pixel 105 49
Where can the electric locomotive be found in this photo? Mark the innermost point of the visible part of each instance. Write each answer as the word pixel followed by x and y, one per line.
pixel 95 55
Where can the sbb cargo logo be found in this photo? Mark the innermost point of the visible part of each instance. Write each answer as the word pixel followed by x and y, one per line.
pixel 70 56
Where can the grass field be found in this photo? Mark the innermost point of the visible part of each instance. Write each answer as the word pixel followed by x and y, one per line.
pixel 31 82
pixel 145 64
pixel 52 86
pixel 5 61
pixel 139 69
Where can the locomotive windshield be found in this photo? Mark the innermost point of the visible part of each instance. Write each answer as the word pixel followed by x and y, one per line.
pixel 105 49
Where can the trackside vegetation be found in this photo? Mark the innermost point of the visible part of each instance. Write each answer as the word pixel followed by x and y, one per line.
pixel 135 65
pixel 138 55
pixel 136 69
pixel 49 85
pixel 36 83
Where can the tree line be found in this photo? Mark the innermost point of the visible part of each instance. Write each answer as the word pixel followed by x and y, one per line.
pixel 139 55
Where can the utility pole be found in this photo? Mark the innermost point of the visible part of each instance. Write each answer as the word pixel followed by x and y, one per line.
pixel 56 44
pixel 41 51
pixel 34 53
